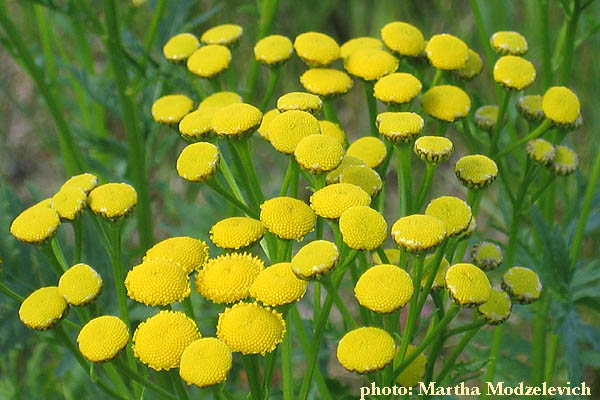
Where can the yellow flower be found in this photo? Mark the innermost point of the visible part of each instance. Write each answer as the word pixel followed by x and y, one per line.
pixel 278 285
pixel 487 255
pixel 263 129
pixel 43 308
pixel 369 149
pixel 486 117
pixel 198 162
pixel 476 171
pixel 160 340
pixel 236 120
pixel 314 259
pixel 102 338
pixel 236 232
pixel 397 88
pixel 472 67
pixel 468 285
pixel 219 100
pixel 80 284
pixel 191 254
pixel 446 102
pixel 447 52
pixel 523 284
pixel 540 151
pixel 316 49
pixel 288 128
pixel 497 309
pixel 363 228
pixel 157 283
pixel 359 43
pixel 561 105
pixel 416 233
pixel 384 288
pixel 69 202
pixel 209 61
pixel 300 101
pixel 329 128
pixel 319 153
pixel 400 127
pixel 454 212
pixel 197 124
pixel 403 38
pixel 366 350
pixel 35 224
pixel 227 278
pixel 273 50
pixel 347 161
pixel 433 149
pixel 225 34
pixel 393 256
pixel 364 177
pixel 287 218
pixel 250 329
pixel 565 161
pixel 438 280
pixel 514 72
pixel 370 64
pixel 326 82
pixel 414 372
pixel 172 108
pixel 205 362
pixel 530 107
pixel 509 42
pixel 112 200
pixel 331 201
pixel 180 47
pixel 85 182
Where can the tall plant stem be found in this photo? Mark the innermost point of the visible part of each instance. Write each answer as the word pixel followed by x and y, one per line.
pixel 543 127
pixel 499 123
pixel 221 191
pixel 425 185
pixel 51 256
pixel 286 361
pixel 252 368
pixel 404 177
pixel 464 341
pixel 329 110
pixel 437 77
pixel 538 341
pixel 134 375
pixel 8 292
pixel 78 235
pixel 243 150
pixel 150 36
pixel 493 360
pixel 274 76
pixel 372 106
pixel 484 40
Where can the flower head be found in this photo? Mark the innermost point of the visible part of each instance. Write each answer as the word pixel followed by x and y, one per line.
pixel 205 362
pixel 454 212
pixel 370 64
pixel 561 105
pixel 263 129
pixel 236 232
pixel 85 182
pixel 363 228
pixel 332 129
pixel 359 43
pixel 219 100
pixel 433 149
pixel 565 161
pixel 69 202
pixel 403 38
pixel 439 278
pixel 347 161
pixel 468 285
pixel 314 259
pixel 300 101
pixel 102 338
pixel 278 285
pixel 514 72
pixel 530 107
pixel 43 308
pixel 209 61
pixel 509 42
pixel 365 350
pixel 331 201
pixel 497 309
pixel 472 67
pixel 316 49
pixel 35 224
pixel 446 102
pixel 287 218
pixel 112 200
pixel 326 82
pixel 476 171
pixel 80 284
pixel 540 151
pixel 414 372
pixel 197 124
pixel 288 128
pixel 364 177
pixel 198 161
pixel 487 255
pixel 397 88
pixel 273 50
pixel 384 288
pixel 523 284
pixel 416 233
pixel 225 34
pixel 180 47
pixel 236 120
pixel 446 52
pixel 393 256
pixel 486 117
pixel 369 149
pixel 172 108
pixel 157 283
pixel 190 253
pixel 400 127
pixel 319 153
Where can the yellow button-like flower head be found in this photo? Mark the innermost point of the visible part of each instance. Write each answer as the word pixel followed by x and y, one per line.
pixel 160 340
pixel 251 329
pixel 236 120
pixel 332 129
pixel 476 171
pixel 331 201
pixel 369 149
pixel 205 362
pixel 287 218
pixel 561 105
pixel 366 350
pixel 278 285
pixel 69 202
pixel 364 177
pixel 112 200
pixel 393 256
pixel 486 116
pixel 509 42
pixel 472 67
pixel 487 255
pixel 363 228
pixel 326 82
pixel 197 124
pixel 414 372
pixel 316 49
pixel 359 43
pixel 288 128
pixel 227 278
pixel 403 38
pixel 565 161
pixel 198 161
pixel 384 288
pixel 446 102
pixel 530 107
pixel 400 127
pixel 540 151
pixel 85 182
pixel 468 285
pixel 454 212
pixel 263 129
pixel 348 161
pixel 35 224
pixel 447 52
pixel 157 283
pixel 370 64
pixel 219 100
pixel 314 259
pixel 319 153
pixel 172 108
pixel 497 309
pixel 514 72
pixel 439 278
pixel 190 253
pixel 397 88
pixel 225 34
pixel 416 233
pixel 236 232
pixel 80 284
pixel 523 284
pixel 209 61
pixel 300 101
pixel 180 47
pixel 433 149
pixel 43 308
pixel 273 50
pixel 102 338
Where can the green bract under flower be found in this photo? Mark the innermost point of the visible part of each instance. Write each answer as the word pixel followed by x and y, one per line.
pixel 433 149
pixel 487 255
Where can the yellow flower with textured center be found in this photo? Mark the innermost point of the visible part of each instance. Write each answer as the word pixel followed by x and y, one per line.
pixel 369 149
pixel 112 200
pixel 205 362
pixel 530 107
pixel 384 288
pixel 188 252
pixel 69 202
pixel 486 116
pixel 540 151
pixel 565 161
pixel 397 88
pixel 418 232
pixel 287 129
pixel 365 350
pixel 180 47
pixel 102 338
pixel 80 284
pixel 278 285
pixel 209 61
pixel 403 38
pixel 157 282
pixel 454 212
pixel 85 182
pixel 197 124
pixel 172 108
pixel 220 100
pixel 359 43
pixel 487 255
pixel 364 177
pixel 561 105
pixel 447 52
pixel 509 42
pixel 236 120
pixel 160 340
pixel 331 201
pixel 43 308
pixel 347 161
pixel 263 129
pixel 222 34
pixel 273 50
pixel 433 149
pixel 523 284
pixel 439 278
pixel 316 49
pixel 300 101
pixel 35 224
pixel 319 153
pixel 227 278
pixel 198 161
pixel 314 259
pixel 251 329
pixel 446 102
pixel 287 218
pixel 332 129
pixel 468 285
pixel 393 256
pixel 236 232
pixel 476 171
pixel 363 228
pixel 472 67
pixel 497 309
pixel 414 372
pixel 370 64
pixel 514 72
pixel 326 82
pixel 400 127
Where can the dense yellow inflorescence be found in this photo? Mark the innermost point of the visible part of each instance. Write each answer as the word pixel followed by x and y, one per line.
pixel 157 282
pixel 370 64
pixel 364 177
pixel 326 82
pixel 102 338
pixel 225 34
pixel 263 129
pixel 273 50
pixel 454 212
pixel 205 362
pixel 172 108
pixel 287 218
pixel 197 124
pixel 561 105
pixel 219 100
pixel 316 49
pixel 514 72
pixel 497 309
pixel 523 284
pixel 209 61
pixel 530 107
pixel 366 350
pixel 472 67
pixel 486 116
pixel 236 120
pixel 333 130
pixel 319 153
pixel 43 308
pixel 433 149
pixel 278 285
pixel 85 182
pixel 112 200
pixel 236 232
pixel 414 372
pixel 198 161
pixel 300 101
pixel 446 102
pixel 400 127
pixel 180 47
pixel 314 259
pixel 287 129
pixel 189 253
pixel 541 151
pixel 69 202
pixel 369 149
pixel 363 228
pixel 403 38
pixel 439 278
pixel 384 288
pixel 35 224
pixel 348 161
pixel 446 52
pixel 565 161
pixel 416 233
pixel 509 42
pixel 331 201
pixel 397 88
pixel 476 171
pixel 359 43
pixel 468 285
pixel 80 284
pixel 487 255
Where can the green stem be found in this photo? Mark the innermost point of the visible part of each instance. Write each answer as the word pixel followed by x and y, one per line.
pixel 425 185
pixel 404 179
pixel 465 328
pixel 567 63
pixel 543 127
pixel 484 39
pixel 134 375
pixel 8 292
pixel 329 110
pixel 188 307
pixel 515 222
pixel 551 358
pixel 215 83
pixel 243 152
pixel 538 340
pixel 47 251
pixel 286 362
pixel 117 265
pixel 372 105
pixel 499 123
pixel 493 360
pixel 221 191
pixel 437 77
pixel 450 363
pixel 177 383
pixel 116 379
pixel 413 313
pixel 233 186
pixel 544 37
pixel 274 76
pixel 150 37
pixel 252 368
pixel 78 235
pixel 437 262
